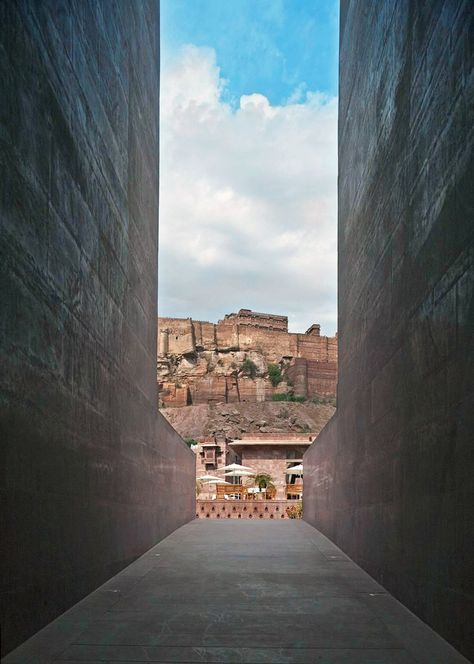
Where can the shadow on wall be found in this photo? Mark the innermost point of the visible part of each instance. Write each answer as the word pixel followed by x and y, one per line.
pixel 94 476
pixel 390 477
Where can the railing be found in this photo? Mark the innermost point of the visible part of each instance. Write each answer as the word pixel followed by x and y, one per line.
pixel 294 489
pixel 230 489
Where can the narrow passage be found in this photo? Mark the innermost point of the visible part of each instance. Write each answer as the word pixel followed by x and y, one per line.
pixel 239 591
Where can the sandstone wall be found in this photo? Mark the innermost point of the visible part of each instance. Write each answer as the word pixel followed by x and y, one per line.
pixel 273 344
pixel 249 317
pixel 92 474
pixel 205 335
pixel 390 478
pixel 227 336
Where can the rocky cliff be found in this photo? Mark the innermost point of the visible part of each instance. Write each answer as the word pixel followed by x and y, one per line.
pixel 246 357
pixel 232 420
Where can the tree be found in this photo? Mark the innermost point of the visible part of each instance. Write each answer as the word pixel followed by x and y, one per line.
pixel 265 481
pixel 190 441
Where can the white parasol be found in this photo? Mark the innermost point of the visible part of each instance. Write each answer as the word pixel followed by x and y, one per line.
pixel 208 478
pixel 295 470
pixel 240 473
pixel 236 466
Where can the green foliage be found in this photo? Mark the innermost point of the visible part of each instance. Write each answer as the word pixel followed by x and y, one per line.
pixel 288 397
pixel 190 441
pixel 263 480
pixel 249 367
pixel 280 397
pixel 274 373
pixel 295 511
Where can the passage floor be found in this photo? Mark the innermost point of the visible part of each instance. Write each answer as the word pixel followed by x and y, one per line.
pixel 239 591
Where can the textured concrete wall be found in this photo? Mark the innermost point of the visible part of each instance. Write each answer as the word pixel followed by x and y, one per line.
pixel 390 480
pixel 92 474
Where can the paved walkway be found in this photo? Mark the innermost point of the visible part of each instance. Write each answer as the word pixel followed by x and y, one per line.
pixel 239 591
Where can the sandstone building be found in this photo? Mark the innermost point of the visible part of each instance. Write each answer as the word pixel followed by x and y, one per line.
pixel 275 453
pixel 202 362
pixel 271 453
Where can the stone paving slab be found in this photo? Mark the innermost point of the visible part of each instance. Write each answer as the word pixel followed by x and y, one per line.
pixel 239 591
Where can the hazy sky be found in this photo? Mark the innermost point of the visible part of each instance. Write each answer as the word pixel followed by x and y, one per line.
pixel 248 159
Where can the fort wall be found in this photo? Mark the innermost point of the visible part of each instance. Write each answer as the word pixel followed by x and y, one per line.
pixel 201 362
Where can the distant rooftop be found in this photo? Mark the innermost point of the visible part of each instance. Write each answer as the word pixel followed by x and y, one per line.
pixel 248 442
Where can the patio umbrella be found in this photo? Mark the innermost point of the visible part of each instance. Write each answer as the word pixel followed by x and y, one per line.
pixel 219 482
pixel 240 473
pixel 208 478
pixel 235 466
pixel 295 470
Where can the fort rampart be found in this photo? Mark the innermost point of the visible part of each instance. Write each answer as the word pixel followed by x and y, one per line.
pixel 203 362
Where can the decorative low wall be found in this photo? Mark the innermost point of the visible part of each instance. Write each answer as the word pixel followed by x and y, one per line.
pixel 243 509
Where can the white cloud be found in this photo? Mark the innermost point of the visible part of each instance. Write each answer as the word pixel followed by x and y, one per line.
pixel 248 199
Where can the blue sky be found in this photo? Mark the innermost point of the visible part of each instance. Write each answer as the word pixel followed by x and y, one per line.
pixel 266 46
pixel 248 159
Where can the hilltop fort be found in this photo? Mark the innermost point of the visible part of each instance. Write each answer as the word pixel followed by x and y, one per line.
pixel 247 356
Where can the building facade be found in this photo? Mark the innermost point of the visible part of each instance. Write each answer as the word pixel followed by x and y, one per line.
pixel 273 454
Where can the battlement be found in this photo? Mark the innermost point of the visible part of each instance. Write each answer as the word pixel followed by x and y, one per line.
pixel 249 317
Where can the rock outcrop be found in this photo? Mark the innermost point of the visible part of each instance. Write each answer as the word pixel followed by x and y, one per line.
pixel 233 420
pixel 232 361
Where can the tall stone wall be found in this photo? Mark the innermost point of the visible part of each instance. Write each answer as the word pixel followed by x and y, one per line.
pixel 390 478
pixel 92 474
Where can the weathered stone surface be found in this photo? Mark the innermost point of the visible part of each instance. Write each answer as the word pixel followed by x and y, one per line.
pixel 92 474
pixel 206 358
pixel 202 421
pixel 390 478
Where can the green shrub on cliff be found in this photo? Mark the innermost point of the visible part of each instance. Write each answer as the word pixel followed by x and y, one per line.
pixel 288 397
pixel 274 373
pixel 249 367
